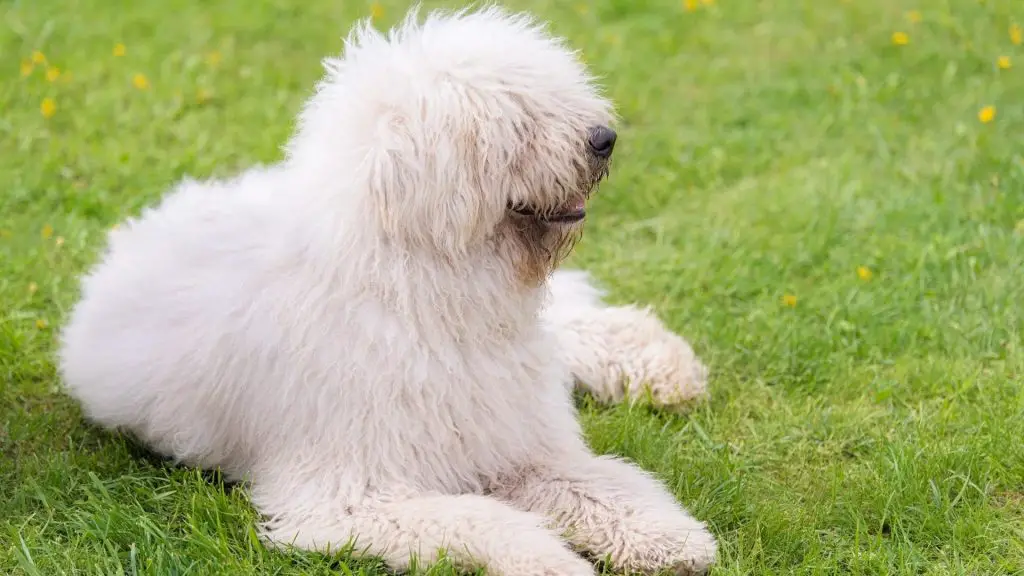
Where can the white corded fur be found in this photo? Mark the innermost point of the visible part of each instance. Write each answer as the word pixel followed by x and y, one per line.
pixel 361 330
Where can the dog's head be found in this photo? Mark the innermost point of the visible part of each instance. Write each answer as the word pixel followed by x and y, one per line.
pixel 471 131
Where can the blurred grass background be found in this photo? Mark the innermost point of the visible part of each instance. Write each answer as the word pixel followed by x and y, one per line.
pixel 825 196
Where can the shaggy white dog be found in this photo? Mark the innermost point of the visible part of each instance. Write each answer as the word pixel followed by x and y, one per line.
pixel 362 332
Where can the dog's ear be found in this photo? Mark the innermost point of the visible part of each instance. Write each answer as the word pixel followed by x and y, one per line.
pixel 392 179
pixel 426 186
pixel 388 177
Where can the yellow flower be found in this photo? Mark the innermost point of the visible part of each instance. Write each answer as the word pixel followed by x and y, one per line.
pixel 1016 34
pixel 213 58
pixel 38 57
pixel 376 11
pixel 913 16
pixel 789 300
pixel 58 241
pixel 26 68
pixel 32 287
pixel 119 49
pixel 1004 63
pixel 900 38
pixel 707 2
pixel 52 73
pixel 987 114
pixel 41 324
pixel 864 273
pixel 690 5
pixel 140 81
pixel 46 232
pixel 48 107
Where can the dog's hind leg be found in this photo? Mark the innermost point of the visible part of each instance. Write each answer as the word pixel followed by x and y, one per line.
pixel 472 531
pixel 620 352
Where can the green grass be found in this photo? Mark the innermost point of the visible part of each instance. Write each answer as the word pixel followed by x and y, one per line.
pixel 768 149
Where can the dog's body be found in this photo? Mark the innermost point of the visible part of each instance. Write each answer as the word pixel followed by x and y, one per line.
pixel 363 332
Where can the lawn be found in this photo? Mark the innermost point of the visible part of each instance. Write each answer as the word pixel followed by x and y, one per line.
pixel 825 196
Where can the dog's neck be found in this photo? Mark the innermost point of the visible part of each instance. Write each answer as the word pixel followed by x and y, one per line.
pixel 480 296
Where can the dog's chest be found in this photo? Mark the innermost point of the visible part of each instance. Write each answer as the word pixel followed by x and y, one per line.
pixel 439 410
pixel 499 411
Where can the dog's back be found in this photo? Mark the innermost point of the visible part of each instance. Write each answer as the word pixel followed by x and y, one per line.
pixel 143 345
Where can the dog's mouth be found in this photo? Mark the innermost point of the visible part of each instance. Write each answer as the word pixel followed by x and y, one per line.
pixel 569 213
pixel 572 211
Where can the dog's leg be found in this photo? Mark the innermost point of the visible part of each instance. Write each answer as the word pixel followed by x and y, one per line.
pixel 613 509
pixel 620 352
pixel 471 530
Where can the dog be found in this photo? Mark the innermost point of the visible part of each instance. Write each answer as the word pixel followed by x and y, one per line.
pixel 374 333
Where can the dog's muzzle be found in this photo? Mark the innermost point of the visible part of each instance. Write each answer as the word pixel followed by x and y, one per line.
pixel 600 144
pixel 601 141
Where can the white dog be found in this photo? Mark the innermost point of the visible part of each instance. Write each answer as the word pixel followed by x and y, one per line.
pixel 362 332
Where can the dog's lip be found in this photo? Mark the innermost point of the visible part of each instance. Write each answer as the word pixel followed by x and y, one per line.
pixel 574 212
pixel 568 217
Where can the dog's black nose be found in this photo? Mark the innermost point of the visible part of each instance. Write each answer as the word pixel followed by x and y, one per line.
pixel 602 141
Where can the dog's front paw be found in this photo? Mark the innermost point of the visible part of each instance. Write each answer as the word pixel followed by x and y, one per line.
pixel 696 555
pixel 687 553
pixel 666 374
pixel 634 357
